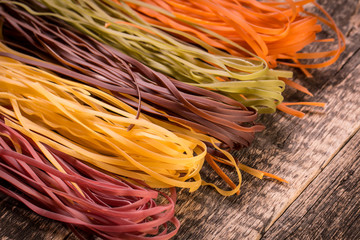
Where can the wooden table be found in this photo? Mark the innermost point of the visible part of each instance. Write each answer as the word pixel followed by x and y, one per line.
pixel 319 155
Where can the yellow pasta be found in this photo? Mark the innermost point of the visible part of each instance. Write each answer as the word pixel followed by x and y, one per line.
pixel 97 128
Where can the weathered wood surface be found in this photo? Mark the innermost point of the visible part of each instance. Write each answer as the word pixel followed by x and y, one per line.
pixel 329 208
pixel 304 151
pixel 17 222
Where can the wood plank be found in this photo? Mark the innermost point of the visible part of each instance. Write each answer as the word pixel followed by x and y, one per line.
pixel 329 208
pixel 296 149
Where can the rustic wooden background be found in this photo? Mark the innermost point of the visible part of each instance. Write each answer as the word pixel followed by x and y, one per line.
pixel 319 155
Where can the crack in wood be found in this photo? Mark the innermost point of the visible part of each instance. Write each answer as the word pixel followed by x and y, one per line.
pixel 339 182
pixel 354 21
pixel 347 61
pixel 273 221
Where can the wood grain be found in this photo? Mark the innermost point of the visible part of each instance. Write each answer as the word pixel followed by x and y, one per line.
pixel 17 222
pixel 329 208
pixel 300 150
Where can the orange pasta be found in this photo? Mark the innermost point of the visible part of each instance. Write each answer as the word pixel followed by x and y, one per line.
pixel 275 31
pixel 272 30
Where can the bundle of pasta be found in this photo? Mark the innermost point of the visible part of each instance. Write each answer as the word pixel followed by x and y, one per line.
pixel 273 30
pixel 97 128
pixel 52 43
pixel 276 31
pixel 127 79
pixel 248 81
pixel 103 131
pixel 82 197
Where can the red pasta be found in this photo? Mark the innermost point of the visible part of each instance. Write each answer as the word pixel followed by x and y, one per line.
pixel 81 196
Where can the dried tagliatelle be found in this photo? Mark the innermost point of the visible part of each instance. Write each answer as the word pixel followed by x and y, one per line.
pixel 274 30
pixel 204 111
pixel 248 81
pixel 127 79
pixel 82 197
pixel 96 128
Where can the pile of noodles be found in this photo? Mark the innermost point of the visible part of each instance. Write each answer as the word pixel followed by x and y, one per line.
pixel 82 197
pixel 249 81
pixel 127 79
pixel 273 30
pixel 102 100
pixel 60 137
pixel 96 128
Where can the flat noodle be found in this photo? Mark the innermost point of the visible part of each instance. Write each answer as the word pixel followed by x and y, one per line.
pixel 104 21
pixel 82 197
pixel 93 126
pixel 127 79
